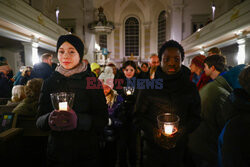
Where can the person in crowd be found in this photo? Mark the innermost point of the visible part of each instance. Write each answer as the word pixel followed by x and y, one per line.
pixel 43 69
pixel 5 83
pixel 3 61
pixel 18 94
pixel 74 137
pixel 153 63
pixel 197 69
pixel 4 64
pixel 234 138
pixel 113 67
pixel 128 152
pixel 111 134
pixel 138 70
pixel 215 66
pixel 144 67
pixel 214 51
pixel 87 62
pixel 25 76
pixel 96 69
pixel 18 75
pixel 203 142
pixel 177 95
pixel 144 71
pixel 29 105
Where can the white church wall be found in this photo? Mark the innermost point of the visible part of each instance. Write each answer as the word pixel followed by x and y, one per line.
pixel 193 7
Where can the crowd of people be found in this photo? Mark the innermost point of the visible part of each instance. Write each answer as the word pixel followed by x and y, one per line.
pixel 113 121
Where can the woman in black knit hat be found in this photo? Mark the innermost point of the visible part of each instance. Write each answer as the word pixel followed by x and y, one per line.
pixel 73 140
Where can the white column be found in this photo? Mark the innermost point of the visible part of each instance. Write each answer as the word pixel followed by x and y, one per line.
pixel 247 49
pixel 30 53
pixel 176 28
pixel 90 40
pixel 241 55
pixel 146 41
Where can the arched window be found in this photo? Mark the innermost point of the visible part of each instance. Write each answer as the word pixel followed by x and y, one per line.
pixel 161 28
pixel 132 37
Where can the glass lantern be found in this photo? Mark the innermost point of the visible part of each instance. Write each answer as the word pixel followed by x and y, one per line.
pixel 128 90
pixel 62 101
pixel 168 123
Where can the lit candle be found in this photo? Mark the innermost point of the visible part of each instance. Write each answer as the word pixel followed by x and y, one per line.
pixel 63 106
pixel 129 92
pixel 168 129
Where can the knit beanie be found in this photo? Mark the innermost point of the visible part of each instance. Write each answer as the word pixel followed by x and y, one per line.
pixel 94 66
pixel 107 77
pixel 199 61
pixel 73 40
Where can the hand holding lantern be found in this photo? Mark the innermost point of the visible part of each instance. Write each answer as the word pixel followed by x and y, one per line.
pixel 62 101
pixel 63 117
pixel 129 90
pixel 168 127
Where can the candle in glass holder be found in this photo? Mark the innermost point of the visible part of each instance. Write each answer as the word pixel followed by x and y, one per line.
pixel 129 92
pixel 168 129
pixel 63 106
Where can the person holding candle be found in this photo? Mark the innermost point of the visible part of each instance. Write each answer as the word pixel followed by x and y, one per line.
pixel 73 140
pixel 111 135
pixel 178 96
pixel 128 152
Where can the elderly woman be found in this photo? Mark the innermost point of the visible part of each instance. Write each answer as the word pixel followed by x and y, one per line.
pixel 18 94
pixel 73 140
pixel 29 105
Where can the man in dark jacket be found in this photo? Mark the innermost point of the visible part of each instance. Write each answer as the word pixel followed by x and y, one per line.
pixel 234 139
pixel 179 96
pixel 44 69
pixel 5 83
pixel 203 141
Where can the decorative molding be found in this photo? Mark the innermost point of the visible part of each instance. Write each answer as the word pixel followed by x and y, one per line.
pixel 20 19
pixel 221 31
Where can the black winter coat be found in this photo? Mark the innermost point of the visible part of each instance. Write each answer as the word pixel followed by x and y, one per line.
pixel 235 142
pixel 79 146
pixel 41 70
pixel 179 96
pixel 5 86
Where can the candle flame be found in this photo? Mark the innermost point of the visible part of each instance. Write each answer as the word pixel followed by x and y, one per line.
pixel 63 106
pixel 169 130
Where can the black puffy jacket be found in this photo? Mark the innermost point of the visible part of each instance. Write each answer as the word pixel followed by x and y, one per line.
pixel 179 96
pixel 79 146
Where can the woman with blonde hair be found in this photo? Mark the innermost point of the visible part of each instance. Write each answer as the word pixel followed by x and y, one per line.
pixel 18 95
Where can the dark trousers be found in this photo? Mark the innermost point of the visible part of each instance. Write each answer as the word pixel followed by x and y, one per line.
pixel 154 156
pixel 128 147
pixel 109 154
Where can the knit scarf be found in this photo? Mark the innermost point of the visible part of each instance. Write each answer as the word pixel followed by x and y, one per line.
pixel 81 67
pixel 174 82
